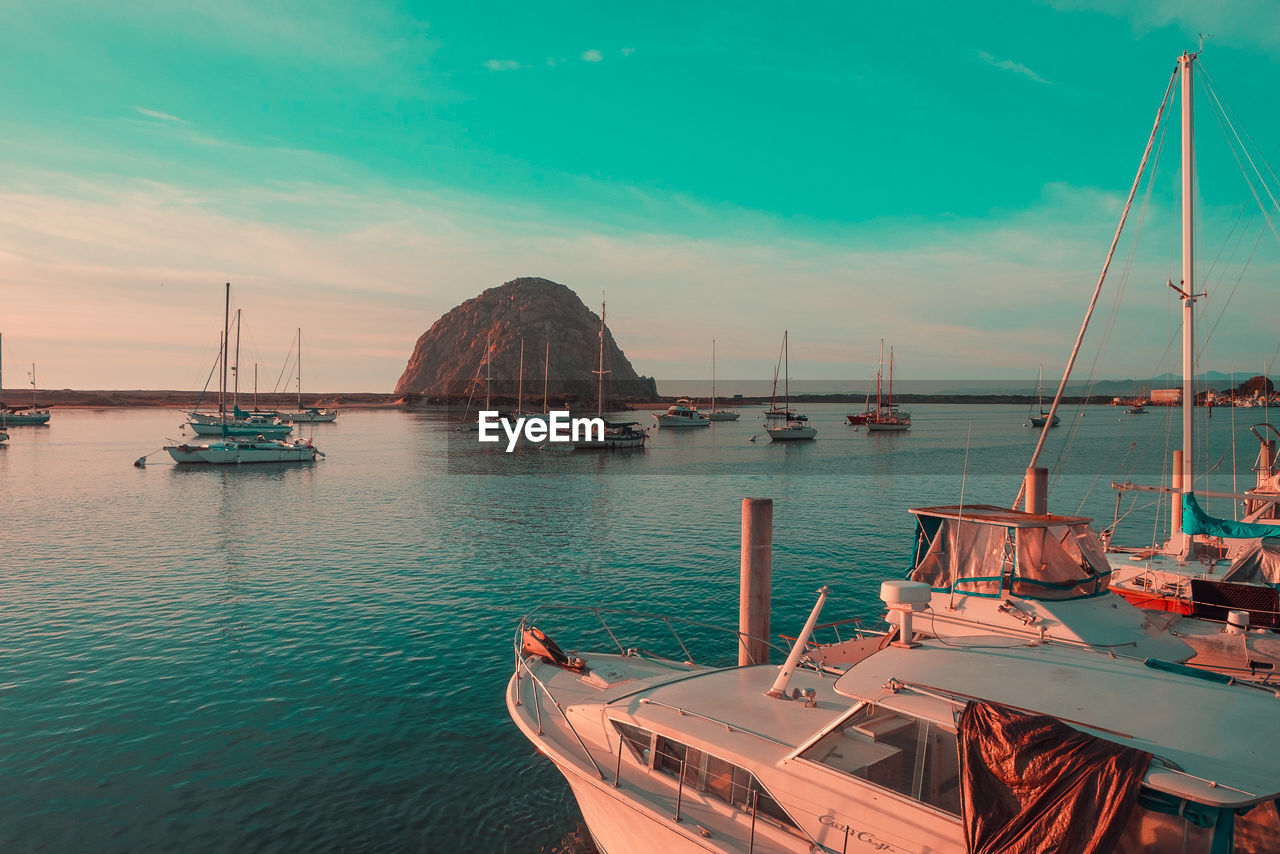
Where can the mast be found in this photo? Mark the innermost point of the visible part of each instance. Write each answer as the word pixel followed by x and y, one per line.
pixel 1188 284
pixel 488 375
pixel 33 386
pixel 786 374
pixel 600 370
pixel 226 329
pixel 891 379
pixel 235 397
pixel 255 386
pixel 879 377
pixel 299 368
pixel 546 372
pixel 520 386
pixel 713 375
pixel 1 369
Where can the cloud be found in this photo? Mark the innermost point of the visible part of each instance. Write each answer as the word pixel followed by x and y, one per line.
pixel 156 114
pixel 502 65
pixel 1010 65
pixel 627 51
pixel 593 55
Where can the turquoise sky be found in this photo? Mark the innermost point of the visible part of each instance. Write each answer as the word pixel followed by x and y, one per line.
pixel 946 176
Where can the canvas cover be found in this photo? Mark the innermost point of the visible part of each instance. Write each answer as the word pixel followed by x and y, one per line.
pixel 1256 562
pixel 1196 521
pixel 1054 560
pixel 1033 785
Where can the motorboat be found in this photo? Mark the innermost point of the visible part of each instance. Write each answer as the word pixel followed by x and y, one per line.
pixel 895 742
pixel 682 414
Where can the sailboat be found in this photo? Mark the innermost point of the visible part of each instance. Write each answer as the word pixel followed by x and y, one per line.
pixel 311 414
pixel 887 418
pixel 718 414
pixel 238 422
pixel 21 416
pixel 238 444
pixel 1043 417
pixel 795 427
pixel 618 435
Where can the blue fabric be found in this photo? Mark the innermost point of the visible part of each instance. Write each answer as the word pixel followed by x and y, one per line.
pixel 1196 521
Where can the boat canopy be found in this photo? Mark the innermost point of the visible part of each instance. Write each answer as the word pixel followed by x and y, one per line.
pixel 1256 562
pixel 983 550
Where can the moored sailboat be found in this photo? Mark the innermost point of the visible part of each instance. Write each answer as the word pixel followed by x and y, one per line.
pixel 618 435
pixel 715 414
pixel 794 427
pixel 886 417
pixel 19 415
pixel 308 414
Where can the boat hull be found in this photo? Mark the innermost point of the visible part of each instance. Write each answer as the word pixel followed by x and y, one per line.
pixel 323 416
pixel 680 421
pixel 857 420
pixel 24 419
pixel 266 431
pixel 888 426
pixel 239 453
pixel 791 434
pixel 723 415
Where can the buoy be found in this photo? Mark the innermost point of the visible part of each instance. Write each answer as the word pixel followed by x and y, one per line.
pixel 140 462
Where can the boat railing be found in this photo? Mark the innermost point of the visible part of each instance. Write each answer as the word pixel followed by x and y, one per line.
pixel 630 630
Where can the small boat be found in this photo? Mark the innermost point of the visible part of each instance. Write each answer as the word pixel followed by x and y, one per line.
pixel 236 451
pixel 1043 417
pixel 1136 409
pixel 886 418
pixel 618 435
pixel 681 414
pixel 22 416
pixel 794 427
pixel 715 414
pixel 309 414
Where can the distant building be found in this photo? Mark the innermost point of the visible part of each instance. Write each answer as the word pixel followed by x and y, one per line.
pixel 1166 396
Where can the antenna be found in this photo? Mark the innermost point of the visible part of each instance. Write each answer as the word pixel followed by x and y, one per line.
pixel 1202 37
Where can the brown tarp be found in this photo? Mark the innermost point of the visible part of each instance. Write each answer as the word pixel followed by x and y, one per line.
pixel 1033 785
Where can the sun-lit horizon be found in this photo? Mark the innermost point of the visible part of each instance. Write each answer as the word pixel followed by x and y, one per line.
pixel 944 180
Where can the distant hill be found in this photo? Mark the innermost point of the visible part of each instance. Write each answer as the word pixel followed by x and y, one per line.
pixel 448 361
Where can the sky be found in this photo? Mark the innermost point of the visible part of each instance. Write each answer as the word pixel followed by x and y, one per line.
pixel 944 176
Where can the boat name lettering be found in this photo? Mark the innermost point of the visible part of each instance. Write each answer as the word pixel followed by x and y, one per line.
pixel 556 426
pixel 860 835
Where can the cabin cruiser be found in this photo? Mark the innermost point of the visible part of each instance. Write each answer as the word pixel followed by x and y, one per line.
pixel 880 744
pixel 683 413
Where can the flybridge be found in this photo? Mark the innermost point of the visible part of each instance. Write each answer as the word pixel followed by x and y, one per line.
pixel 555 426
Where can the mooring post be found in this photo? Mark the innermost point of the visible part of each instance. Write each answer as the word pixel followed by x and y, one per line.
pixel 1037 490
pixel 755 581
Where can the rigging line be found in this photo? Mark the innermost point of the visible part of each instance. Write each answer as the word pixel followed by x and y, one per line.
pixel 1097 290
pixel 1205 76
pixel 288 359
pixel 1274 204
pixel 1109 327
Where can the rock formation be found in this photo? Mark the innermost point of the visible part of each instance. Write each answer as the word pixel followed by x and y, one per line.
pixel 448 362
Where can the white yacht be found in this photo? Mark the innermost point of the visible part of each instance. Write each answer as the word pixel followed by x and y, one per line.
pixel 936 745
pixel 239 451
pixel 683 413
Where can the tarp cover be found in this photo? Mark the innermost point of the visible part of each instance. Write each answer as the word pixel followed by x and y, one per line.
pixel 1196 521
pixel 1033 785
pixel 1256 562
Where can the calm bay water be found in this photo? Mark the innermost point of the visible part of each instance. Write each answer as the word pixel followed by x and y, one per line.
pixel 283 658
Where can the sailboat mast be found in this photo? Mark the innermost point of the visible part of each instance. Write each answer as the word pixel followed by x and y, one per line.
pixel 520 385
pixel 1188 280
pixel 891 378
pixel 299 368
pixel 235 397
pixel 600 371
pixel 546 372
pixel 488 373
pixel 786 373
pixel 33 385
pixel 713 375
pixel 226 329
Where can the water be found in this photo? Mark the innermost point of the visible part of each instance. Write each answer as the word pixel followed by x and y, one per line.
pixel 285 658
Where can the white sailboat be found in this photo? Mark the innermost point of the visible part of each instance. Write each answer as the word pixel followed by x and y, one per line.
pixel 794 427
pixel 618 435
pixel 1041 417
pixel 310 414
pixel 715 414
pixel 234 422
pixel 234 447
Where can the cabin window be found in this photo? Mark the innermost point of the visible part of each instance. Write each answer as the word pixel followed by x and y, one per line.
pixel 913 757
pixel 636 738
pixel 717 779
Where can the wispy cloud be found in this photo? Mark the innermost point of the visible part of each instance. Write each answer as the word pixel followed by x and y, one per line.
pixel 592 55
pixel 502 65
pixel 627 51
pixel 1010 65
pixel 156 114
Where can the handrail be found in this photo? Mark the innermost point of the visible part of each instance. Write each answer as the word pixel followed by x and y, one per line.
pixel 538 682
pixel 649 701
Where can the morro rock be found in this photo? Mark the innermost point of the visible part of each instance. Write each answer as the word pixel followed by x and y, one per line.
pixel 448 362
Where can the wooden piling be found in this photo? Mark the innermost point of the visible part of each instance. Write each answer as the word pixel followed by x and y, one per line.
pixel 1037 490
pixel 755 581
